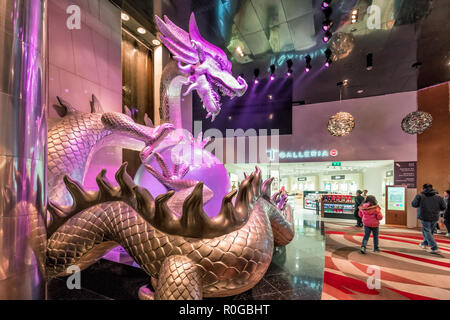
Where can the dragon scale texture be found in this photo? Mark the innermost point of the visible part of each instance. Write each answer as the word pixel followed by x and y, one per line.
pixel 187 254
pixel 224 265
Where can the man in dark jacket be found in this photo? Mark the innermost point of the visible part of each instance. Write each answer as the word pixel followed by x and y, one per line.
pixel 429 205
pixel 447 212
pixel 358 202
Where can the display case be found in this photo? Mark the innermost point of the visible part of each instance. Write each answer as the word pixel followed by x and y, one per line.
pixel 311 197
pixel 338 206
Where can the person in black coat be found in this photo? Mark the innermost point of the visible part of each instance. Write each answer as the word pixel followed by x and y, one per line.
pixel 358 202
pixel 447 212
pixel 429 205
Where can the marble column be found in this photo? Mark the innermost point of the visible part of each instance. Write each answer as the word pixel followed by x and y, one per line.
pixel 23 144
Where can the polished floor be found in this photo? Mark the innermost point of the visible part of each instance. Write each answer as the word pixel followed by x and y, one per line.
pixel 296 272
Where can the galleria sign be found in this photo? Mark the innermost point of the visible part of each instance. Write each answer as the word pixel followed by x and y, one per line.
pixel 275 154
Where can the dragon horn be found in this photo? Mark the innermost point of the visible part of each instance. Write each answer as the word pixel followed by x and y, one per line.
pixel 124 180
pixel 57 218
pixel 148 121
pixel 145 202
pixel 257 182
pixel 106 189
pixel 194 218
pixel 227 216
pixel 80 197
pixel 163 215
pixel 243 205
pixel 266 188
pixel 96 107
pixel 128 112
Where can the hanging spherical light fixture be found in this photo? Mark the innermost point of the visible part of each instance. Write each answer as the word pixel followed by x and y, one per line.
pixel 341 124
pixel 417 122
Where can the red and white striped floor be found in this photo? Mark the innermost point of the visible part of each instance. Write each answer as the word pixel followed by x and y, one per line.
pixel 405 270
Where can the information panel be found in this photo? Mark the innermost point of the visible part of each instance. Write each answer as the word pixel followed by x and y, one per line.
pixel 396 199
pixel 405 173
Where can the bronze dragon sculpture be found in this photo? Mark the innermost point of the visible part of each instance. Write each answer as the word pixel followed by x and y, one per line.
pixel 187 254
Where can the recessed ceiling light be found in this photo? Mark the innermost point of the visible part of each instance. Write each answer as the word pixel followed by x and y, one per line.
pixel 345 82
pixel 156 42
pixel 141 30
pixel 360 91
pixel 240 51
pixel 125 17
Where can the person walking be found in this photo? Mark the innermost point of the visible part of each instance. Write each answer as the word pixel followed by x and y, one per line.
pixel 364 194
pixel 358 202
pixel 429 204
pixel 370 212
pixel 447 212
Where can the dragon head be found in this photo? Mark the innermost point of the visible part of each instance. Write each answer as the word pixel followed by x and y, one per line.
pixel 206 65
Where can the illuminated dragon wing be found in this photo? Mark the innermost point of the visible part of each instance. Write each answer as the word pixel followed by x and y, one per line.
pixel 177 41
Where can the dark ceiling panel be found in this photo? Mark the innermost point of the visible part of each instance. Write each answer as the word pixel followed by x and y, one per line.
pixel 272 31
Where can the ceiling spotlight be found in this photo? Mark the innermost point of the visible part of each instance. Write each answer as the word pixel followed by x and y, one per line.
pixel 328 61
pixel 326 25
pixel 156 42
pixel 240 51
pixel 369 62
pixel 272 72
pixel 327 36
pixel 256 73
pixel 326 4
pixel 345 82
pixel 125 17
pixel 308 63
pixel 290 64
pixel 360 91
pixel 141 30
pixel 355 16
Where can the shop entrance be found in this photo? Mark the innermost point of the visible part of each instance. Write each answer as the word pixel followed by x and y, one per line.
pixel 332 184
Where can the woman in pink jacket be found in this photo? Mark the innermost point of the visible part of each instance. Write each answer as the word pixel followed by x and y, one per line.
pixel 370 212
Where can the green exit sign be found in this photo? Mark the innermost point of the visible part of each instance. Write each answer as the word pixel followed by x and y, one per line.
pixel 337 164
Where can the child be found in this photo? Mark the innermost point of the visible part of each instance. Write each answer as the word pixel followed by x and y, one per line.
pixel 371 215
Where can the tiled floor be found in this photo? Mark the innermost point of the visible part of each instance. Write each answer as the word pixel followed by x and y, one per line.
pixel 296 272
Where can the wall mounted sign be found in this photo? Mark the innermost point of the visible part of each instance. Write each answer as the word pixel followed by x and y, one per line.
pixel 302 179
pixel 396 198
pixel 405 174
pixel 337 164
pixel 337 177
pixel 275 154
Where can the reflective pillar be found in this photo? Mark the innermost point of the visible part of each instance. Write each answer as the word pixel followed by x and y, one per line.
pixel 23 140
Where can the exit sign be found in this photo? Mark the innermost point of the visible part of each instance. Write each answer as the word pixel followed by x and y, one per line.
pixel 337 164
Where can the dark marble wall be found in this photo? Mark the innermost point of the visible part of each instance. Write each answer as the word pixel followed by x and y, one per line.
pixel 433 146
pixel 137 88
